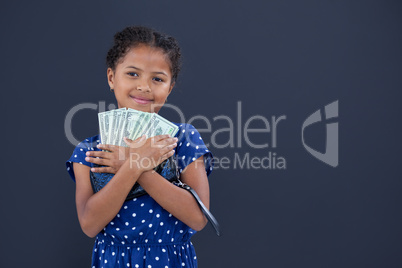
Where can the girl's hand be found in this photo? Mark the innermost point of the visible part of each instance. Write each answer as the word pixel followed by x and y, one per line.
pixel 147 154
pixel 143 154
pixel 113 158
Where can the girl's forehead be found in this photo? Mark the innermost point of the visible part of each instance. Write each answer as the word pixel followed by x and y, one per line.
pixel 144 52
pixel 146 56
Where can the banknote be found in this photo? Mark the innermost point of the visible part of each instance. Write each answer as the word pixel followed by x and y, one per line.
pixel 102 127
pixel 163 126
pixel 147 129
pixel 106 123
pixel 142 125
pixel 130 123
pixel 118 124
pixel 158 125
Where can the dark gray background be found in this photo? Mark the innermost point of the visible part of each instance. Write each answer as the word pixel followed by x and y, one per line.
pixel 276 57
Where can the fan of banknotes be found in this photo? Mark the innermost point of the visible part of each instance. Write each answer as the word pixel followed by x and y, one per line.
pixel 130 123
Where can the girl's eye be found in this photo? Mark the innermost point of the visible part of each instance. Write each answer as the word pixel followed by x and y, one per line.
pixel 158 79
pixel 132 74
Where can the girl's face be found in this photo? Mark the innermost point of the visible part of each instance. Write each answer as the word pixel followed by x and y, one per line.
pixel 142 79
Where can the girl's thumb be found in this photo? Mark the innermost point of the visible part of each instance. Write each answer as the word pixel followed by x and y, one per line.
pixel 143 137
pixel 127 140
pixel 136 143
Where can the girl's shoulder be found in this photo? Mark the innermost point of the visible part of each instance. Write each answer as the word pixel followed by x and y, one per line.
pixel 89 143
pixel 186 130
pixel 191 146
pixel 189 136
pixel 79 153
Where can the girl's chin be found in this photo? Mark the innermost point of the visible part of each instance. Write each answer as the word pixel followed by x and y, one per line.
pixel 142 108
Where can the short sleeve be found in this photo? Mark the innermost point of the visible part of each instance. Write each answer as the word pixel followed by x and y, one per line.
pixel 190 147
pixel 79 152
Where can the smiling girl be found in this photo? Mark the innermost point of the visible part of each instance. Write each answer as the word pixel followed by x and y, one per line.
pixel 153 230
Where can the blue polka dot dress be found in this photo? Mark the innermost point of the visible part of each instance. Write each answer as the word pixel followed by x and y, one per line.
pixel 143 234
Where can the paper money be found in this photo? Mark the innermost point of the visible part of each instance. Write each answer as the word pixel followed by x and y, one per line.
pixel 164 126
pixel 132 118
pixel 142 123
pixel 118 125
pixel 102 127
pixel 158 125
pixel 130 123
pixel 106 124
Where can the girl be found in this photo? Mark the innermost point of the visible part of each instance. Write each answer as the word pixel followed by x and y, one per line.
pixel 153 230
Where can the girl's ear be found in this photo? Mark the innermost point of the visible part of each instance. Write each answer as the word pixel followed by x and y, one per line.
pixel 171 87
pixel 110 77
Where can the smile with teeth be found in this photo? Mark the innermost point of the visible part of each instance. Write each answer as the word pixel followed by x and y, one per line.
pixel 141 100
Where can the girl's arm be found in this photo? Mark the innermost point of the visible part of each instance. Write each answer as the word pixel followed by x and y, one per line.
pixel 179 202
pixel 95 211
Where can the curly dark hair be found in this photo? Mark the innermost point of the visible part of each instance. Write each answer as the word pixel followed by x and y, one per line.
pixel 133 36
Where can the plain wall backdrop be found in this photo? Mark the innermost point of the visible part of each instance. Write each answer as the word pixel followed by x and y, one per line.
pixel 273 58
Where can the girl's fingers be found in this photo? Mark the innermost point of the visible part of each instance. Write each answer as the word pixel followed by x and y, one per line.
pixel 136 143
pixel 161 137
pixel 107 147
pixel 103 170
pixel 100 154
pixel 128 141
pixel 170 144
pixel 167 155
pixel 164 142
pixel 98 161
pixel 143 137
pixel 169 147
pixel 173 140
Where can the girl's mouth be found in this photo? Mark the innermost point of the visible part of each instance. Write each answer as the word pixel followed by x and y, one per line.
pixel 140 100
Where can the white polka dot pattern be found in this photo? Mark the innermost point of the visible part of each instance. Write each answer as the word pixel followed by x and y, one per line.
pixel 191 147
pixel 143 234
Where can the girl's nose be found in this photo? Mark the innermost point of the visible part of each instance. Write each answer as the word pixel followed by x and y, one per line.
pixel 143 86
